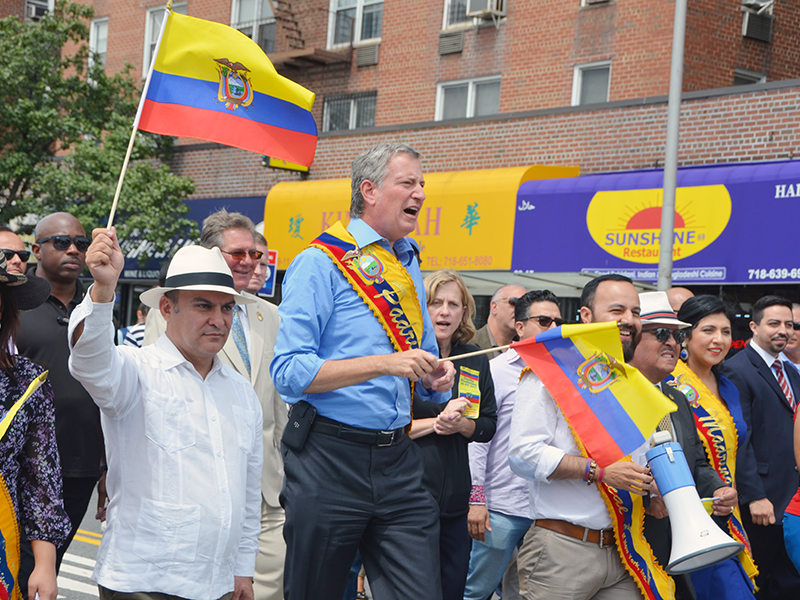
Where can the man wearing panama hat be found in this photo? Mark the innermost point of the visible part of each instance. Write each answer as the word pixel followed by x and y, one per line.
pixel 183 434
pixel 655 356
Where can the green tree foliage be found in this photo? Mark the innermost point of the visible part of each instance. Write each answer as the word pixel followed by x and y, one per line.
pixel 64 130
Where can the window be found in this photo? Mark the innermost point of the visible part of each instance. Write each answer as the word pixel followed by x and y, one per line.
pixel 468 98
pixel 745 76
pixel 36 9
pixel 155 16
pixel 255 19
pixel 350 111
pixel 98 41
pixel 455 13
pixel 354 21
pixel 590 83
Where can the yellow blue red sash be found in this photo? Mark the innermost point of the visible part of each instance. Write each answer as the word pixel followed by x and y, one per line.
pixel 627 515
pixel 717 431
pixel 380 281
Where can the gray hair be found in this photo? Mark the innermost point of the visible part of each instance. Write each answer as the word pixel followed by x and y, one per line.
pixel 373 165
pixel 215 224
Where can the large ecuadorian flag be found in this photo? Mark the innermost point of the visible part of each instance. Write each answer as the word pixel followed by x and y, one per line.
pixel 608 404
pixel 212 82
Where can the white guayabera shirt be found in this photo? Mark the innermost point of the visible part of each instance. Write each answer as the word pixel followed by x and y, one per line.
pixel 184 464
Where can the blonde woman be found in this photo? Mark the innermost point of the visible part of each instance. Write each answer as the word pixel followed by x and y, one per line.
pixel 443 432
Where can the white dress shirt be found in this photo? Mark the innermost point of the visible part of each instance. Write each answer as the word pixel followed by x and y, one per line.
pixel 770 360
pixel 506 492
pixel 184 464
pixel 540 437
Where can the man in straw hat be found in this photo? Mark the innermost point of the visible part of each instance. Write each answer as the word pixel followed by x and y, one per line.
pixel 183 434
pixel 655 356
pixel 249 351
pixel 355 341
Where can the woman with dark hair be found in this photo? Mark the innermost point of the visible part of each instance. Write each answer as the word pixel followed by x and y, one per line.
pixel 30 470
pixel 443 432
pixel 714 400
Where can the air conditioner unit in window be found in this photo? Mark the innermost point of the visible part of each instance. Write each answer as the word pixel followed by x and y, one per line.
pixel 34 12
pixel 484 9
pixel 757 27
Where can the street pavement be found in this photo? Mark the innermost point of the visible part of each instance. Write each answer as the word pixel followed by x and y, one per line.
pixel 74 578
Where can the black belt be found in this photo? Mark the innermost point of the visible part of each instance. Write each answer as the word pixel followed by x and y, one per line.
pixel 373 437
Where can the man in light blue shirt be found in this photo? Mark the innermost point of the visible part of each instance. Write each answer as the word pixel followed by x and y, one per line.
pixel 355 480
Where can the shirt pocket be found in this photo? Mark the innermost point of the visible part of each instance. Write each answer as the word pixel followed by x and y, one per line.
pixel 168 422
pixel 243 421
pixel 167 533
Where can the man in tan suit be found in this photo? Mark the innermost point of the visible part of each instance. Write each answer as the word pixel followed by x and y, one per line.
pixel 253 343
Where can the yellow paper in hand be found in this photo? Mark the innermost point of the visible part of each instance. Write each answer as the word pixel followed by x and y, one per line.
pixel 468 388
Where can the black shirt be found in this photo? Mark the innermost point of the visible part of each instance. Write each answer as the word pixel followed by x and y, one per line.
pixel 447 475
pixel 42 337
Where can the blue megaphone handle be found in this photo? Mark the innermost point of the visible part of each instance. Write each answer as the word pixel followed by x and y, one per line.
pixel 669 467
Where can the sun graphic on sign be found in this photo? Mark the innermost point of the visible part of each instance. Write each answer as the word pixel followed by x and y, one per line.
pixel 627 223
pixel 648 216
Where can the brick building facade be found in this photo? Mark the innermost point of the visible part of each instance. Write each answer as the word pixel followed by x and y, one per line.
pixel 577 82
pixel 536 53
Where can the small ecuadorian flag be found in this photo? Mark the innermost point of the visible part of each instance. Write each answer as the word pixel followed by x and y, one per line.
pixel 212 82
pixel 609 405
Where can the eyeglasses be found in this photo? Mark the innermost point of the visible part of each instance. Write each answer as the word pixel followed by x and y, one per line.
pixel 63 242
pixel 24 255
pixel 545 321
pixel 662 334
pixel 796 325
pixel 241 254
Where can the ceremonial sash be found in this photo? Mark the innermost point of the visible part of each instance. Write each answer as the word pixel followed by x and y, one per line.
pixel 717 431
pixel 627 515
pixel 9 527
pixel 380 281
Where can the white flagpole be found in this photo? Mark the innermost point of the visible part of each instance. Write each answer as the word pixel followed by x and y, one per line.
pixel 167 10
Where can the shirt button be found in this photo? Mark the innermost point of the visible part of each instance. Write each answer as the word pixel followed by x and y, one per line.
pixel 213 418
pixel 219 453
pixel 224 490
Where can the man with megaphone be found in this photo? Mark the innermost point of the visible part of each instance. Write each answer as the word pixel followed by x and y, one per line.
pixel 655 356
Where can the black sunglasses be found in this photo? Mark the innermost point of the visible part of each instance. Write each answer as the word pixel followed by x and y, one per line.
pixel 662 334
pixel 545 321
pixel 241 254
pixel 796 325
pixel 24 255
pixel 63 242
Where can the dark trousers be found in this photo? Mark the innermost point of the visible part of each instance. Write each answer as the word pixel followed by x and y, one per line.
pixel 106 594
pixel 77 492
pixel 454 549
pixel 777 579
pixel 341 497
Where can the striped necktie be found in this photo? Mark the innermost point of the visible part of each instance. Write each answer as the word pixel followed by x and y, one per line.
pixel 240 339
pixel 778 366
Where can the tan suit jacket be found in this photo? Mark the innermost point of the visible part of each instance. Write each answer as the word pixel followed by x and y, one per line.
pixel 263 320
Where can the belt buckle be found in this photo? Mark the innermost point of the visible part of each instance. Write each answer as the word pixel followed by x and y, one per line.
pixel 602 537
pixel 381 435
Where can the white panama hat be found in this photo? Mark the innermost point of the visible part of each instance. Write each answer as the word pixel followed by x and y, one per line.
pixel 199 269
pixel 656 310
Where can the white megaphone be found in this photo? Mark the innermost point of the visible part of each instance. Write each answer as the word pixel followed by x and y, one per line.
pixel 697 542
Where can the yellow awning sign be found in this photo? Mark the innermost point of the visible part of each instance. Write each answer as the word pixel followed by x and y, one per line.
pixel 466 222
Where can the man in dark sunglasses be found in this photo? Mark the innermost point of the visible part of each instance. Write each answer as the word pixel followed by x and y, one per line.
pixel 61 253
pixel 14 249
pixel 499 524
pixel 656 356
